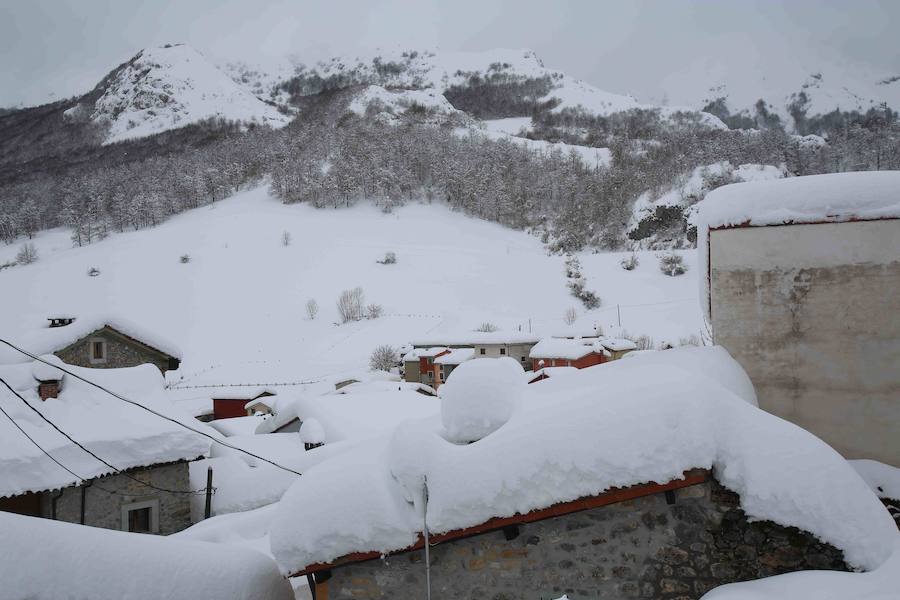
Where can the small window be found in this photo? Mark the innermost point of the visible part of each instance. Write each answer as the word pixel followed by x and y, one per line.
pixel 481 351
pixel 141 517
pixel 97 350
pixel 502 351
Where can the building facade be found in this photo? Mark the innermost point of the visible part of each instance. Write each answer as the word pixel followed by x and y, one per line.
pixel 108 348
pixel 810 311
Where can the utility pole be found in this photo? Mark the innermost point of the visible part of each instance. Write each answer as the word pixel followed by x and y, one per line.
pixel 619 314
pixel 207 512
pixel 425 531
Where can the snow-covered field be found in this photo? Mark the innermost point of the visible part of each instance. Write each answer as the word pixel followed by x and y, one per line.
pixel 237 309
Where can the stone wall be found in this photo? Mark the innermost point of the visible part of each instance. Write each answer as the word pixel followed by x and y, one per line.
pixel 104 510
pixel 810 312
pixel 643 548
pixel 120 352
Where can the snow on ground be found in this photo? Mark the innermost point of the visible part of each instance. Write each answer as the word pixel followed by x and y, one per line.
pixel 883 479
pixel 47 560
pixel 399 101
pixel 515 126
pixel 590 156
pixel 236 310
pixel 173 86
pixel 612 425
pixel 881 584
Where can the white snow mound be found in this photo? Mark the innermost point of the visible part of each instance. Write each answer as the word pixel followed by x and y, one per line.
pixel 479 397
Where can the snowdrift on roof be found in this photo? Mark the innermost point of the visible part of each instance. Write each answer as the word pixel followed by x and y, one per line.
pixel 62 560
pixel 613 425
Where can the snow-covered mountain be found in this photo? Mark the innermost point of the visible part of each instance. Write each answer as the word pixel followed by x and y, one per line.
pixel 169 87
pixel 438 71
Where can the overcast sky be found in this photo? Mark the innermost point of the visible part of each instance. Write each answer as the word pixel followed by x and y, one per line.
pixel 653 49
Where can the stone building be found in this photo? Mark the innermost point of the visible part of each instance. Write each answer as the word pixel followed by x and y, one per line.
pixel 651 541
pixel 108 348
pixel 148 491
pixel 804 292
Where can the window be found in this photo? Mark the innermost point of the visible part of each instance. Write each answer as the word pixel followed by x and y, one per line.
pixel 481 351
pixel 141 517
pixel 97 350
pixel 502 351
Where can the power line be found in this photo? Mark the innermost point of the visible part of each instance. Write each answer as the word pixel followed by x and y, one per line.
pixel 139 405
pixel 74 441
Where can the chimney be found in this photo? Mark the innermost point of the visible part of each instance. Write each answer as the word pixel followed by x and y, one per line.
pixel 48 389
pixel 60 321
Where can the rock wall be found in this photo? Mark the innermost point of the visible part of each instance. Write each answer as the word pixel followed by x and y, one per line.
pixel 642 548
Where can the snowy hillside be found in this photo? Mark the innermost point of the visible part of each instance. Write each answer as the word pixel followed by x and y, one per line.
pixel 169 87
pixel 439 71
pixel 238 305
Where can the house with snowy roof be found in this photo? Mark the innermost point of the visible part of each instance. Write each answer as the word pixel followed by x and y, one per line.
pixel 242 401
pixel 446 363
pixel 656 477
pixel 487 344
pixel 54 424
pixel 96 342
pixel 802 286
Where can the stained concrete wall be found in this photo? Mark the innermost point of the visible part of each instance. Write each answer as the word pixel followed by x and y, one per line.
pixel 103 509
pixel 643 548
pixel 812 313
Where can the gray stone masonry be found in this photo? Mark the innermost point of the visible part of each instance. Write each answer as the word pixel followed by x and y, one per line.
pixel 643 548
pixel 120 352
pixel 105 510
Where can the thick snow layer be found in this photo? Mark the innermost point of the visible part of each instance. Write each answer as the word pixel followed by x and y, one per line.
pixel 883 479
pixel 833 197
pixel 479 397
pixel 42 559
pixel 238 262
pixel 238 486
pixel 236 425
pixel 456 356
pixel 38 338
pixel 396 102
pixel 591 157
pixel 612 425
pixel 881 584
pixel 42 371
pixel 123 434
pixel 312 432
pixel 564 348
pixel 170 87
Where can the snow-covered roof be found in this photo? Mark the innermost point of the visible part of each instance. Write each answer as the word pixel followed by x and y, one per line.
pixel 312 432
pixel 630 422
pixel 834 197
pixel 236 425
pixel 428 352
pixel 617 344
pixel 456 356
pixel 479 338
pixel 549 372
pixel 64 560
pixel 124 435
pixel 571 349
pixel 42 339
pixel 242 392
pixel 808 199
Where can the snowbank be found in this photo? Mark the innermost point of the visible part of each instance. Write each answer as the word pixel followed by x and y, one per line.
pixel 44 559
pixel 883 479
pixel 480 397
pixel 881 584
pixel 312 432
pixel 123 434
pixel 834 197
pixel 613 425
pixel 564 348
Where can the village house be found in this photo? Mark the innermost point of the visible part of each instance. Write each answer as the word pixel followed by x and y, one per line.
pixel 804 291
pixel 488 344
pixel 241 401
pixel 149 489
pixel 419 366
pixel 98 343
pixel 577 352
pixel 597 488
pixel 445 363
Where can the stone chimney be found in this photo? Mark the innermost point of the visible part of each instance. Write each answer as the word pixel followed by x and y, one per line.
pixel 48 389
pixel 60 321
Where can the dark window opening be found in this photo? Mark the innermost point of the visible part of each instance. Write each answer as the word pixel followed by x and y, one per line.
pixel 139 520
pixel 502 351
pixel 98 350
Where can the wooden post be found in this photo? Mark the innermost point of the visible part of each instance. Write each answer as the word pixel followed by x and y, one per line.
pixel 207 513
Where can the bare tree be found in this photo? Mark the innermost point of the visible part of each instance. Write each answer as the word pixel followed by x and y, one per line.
pixel 350 304
pixel 373 311
pixel 571 316
pixel 285 238
pixel 487 327
pixel 27 254
pixel 312 308
pixel 383 358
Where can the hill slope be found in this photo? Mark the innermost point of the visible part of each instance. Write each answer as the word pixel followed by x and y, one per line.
pixel 239 302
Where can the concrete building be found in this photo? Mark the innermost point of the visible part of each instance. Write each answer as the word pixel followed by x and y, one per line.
pixel 804 292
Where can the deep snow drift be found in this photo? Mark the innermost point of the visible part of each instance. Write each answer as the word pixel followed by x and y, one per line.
pixel 612 425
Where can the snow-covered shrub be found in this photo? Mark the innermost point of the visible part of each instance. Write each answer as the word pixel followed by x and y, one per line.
pixel 573 267
pixel 285 238
pixel 672 264
pixel 373 311
pixel 486 327
pixel 570 316
pixel 312 308
pixel 587 297
pixel 27 254
pixel 630 263
pixel 383 358
pixel 350 304
pixel 643 342
pixel 184 259
pixel 390 258
pixel 7 264
pixel 93 272
pixel 691 340
pixel 479 397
